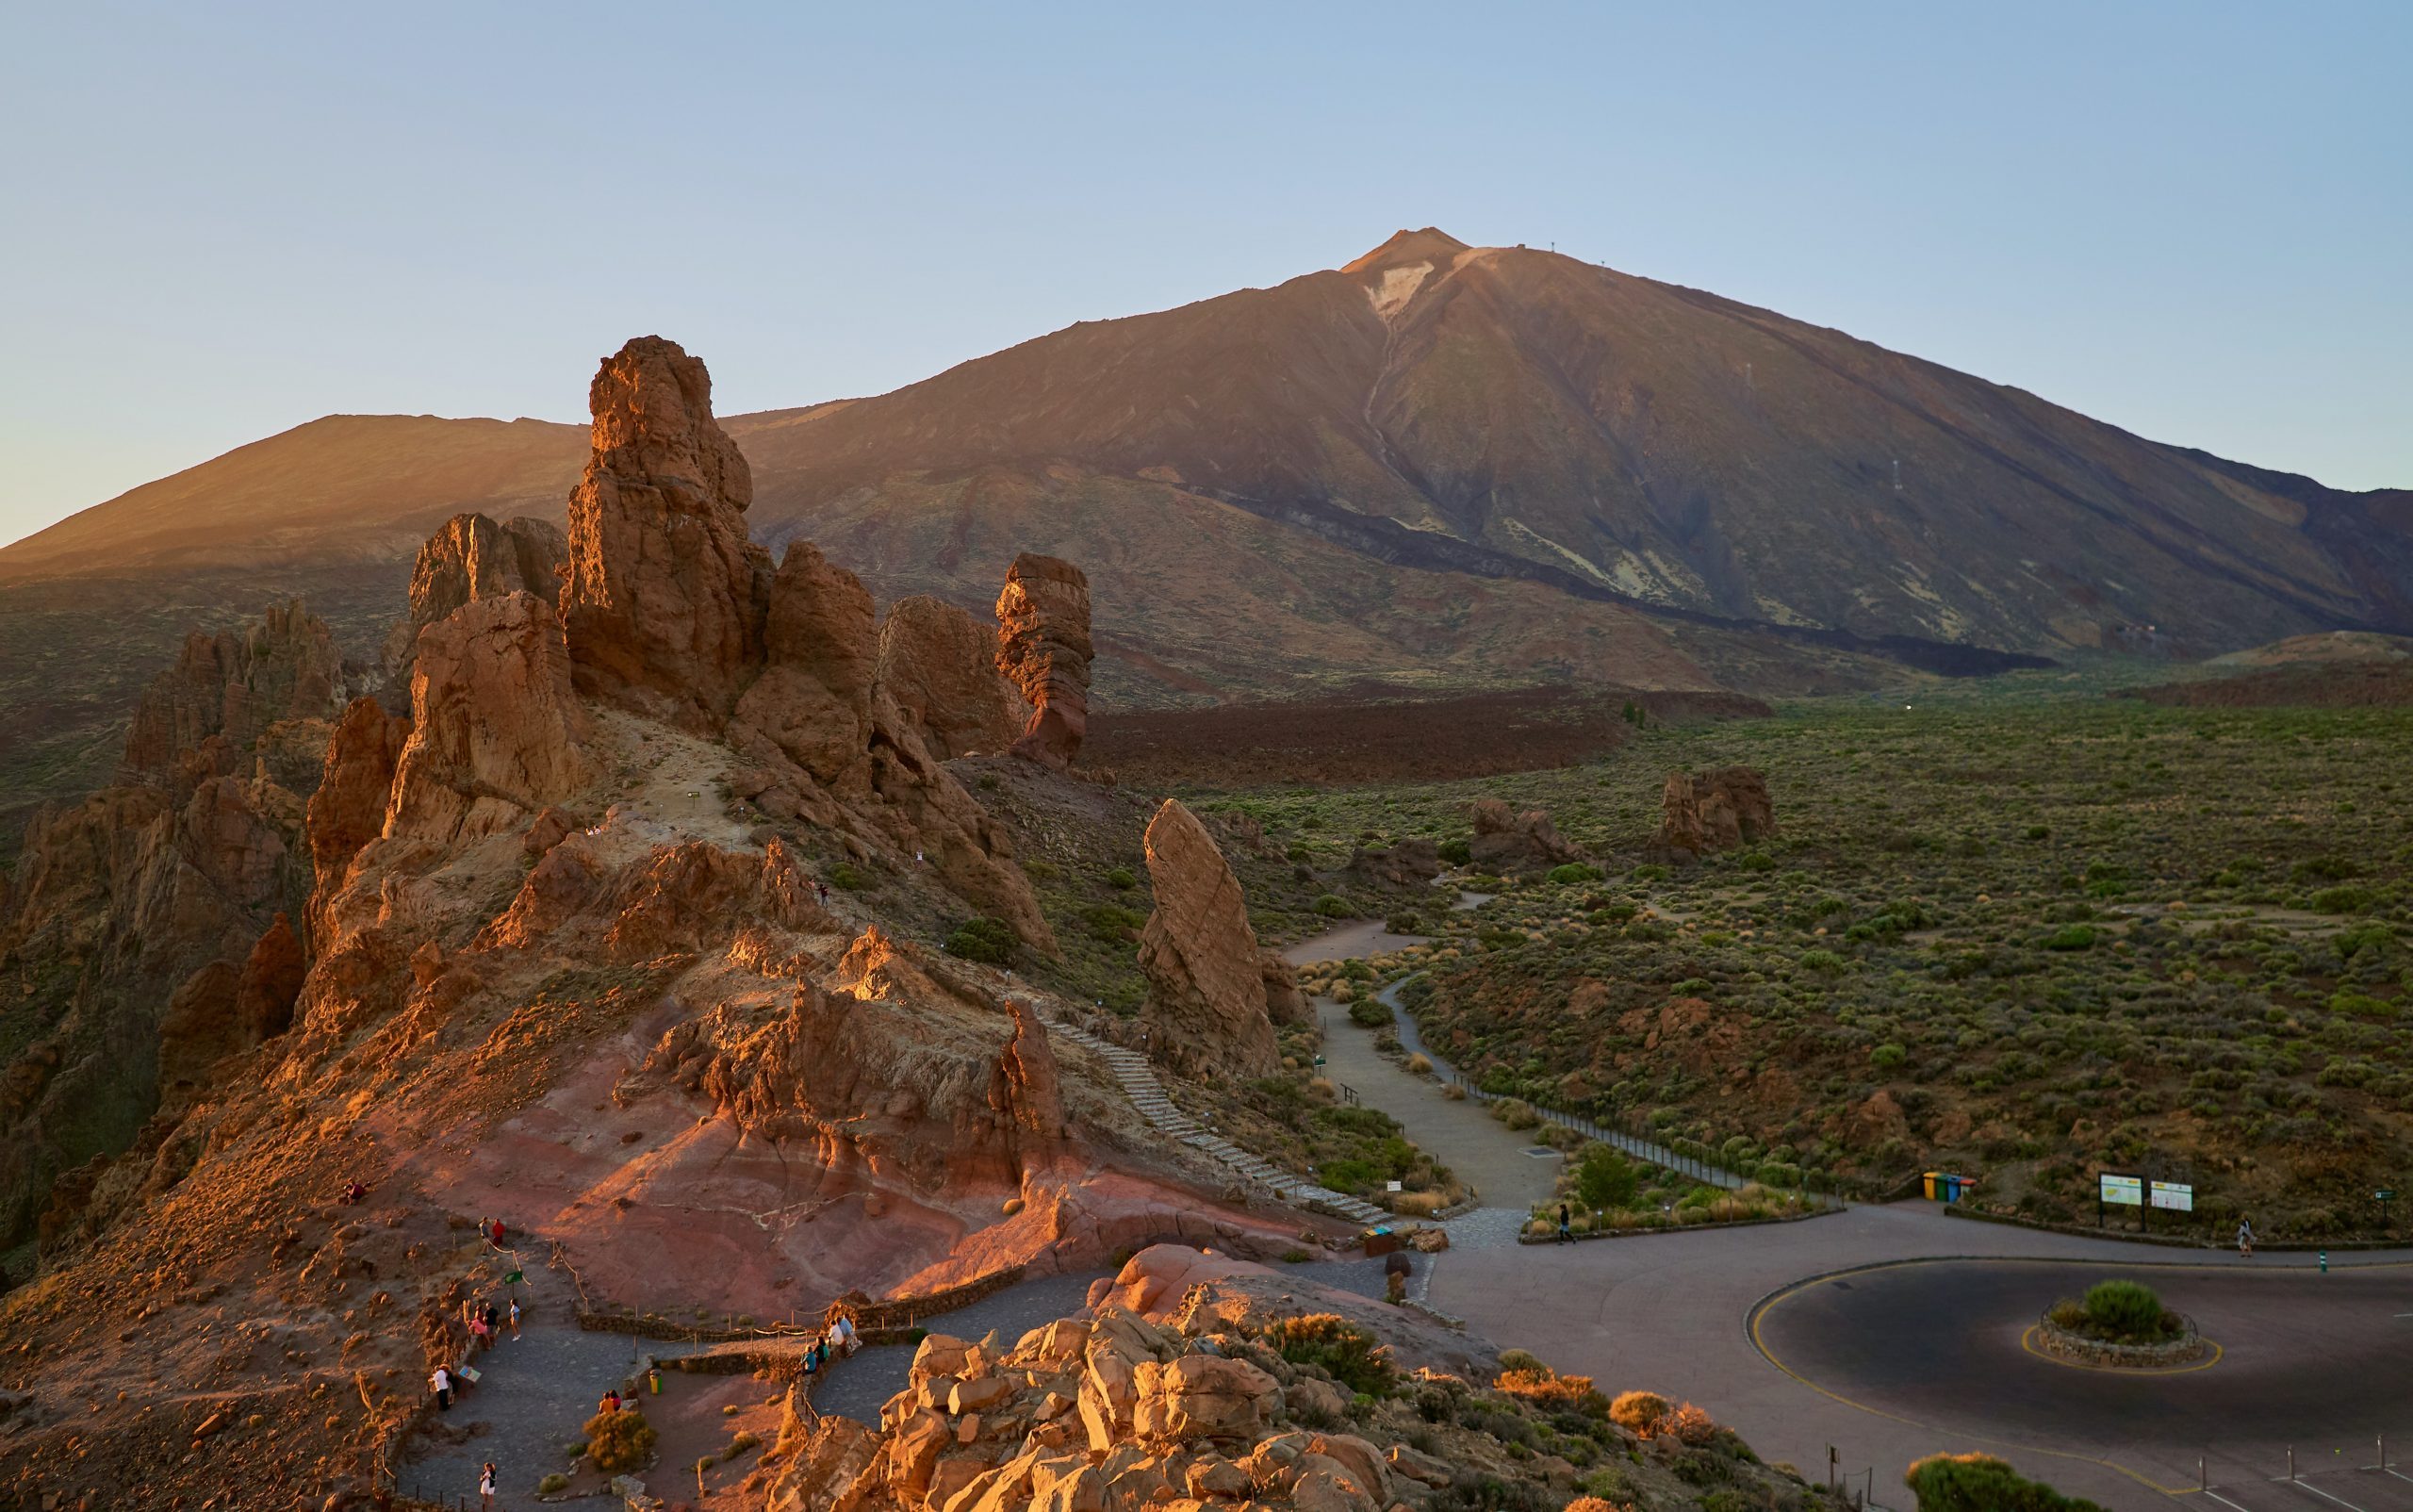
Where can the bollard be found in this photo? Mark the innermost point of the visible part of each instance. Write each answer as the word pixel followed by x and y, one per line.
pixel 2325 1262
pixel 2203 1480
pixel 2291 1462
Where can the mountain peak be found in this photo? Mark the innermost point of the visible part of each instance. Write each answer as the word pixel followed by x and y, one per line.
pixel 1430 244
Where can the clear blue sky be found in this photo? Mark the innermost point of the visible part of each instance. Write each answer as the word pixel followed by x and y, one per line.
pixel 217 221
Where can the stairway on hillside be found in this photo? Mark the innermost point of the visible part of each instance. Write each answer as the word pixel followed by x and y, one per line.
pixel 1138 1080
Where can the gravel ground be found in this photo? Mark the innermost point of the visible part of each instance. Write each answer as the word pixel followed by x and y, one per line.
pixel 538 1392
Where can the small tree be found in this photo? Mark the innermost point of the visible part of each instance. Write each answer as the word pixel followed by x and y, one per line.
pixel 988 940
pixel 1980 1482
pixel 1606 1179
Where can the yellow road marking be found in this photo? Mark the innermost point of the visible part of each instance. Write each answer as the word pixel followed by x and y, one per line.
pixel 1759 1315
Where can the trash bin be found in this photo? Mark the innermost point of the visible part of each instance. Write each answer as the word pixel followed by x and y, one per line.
pixel 1934 1186
pixel 1952 1189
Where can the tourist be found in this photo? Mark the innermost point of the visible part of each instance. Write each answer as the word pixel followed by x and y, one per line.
pixel 823 888
pixel 2245 1238
pixel 481 1332
pixel 495 1233
pixel 610 1401
pixel 844 1330
pixel 514 1316
pixel 1566 1225
pixel 486 1487
pixel 442 1384
pixel 354 1191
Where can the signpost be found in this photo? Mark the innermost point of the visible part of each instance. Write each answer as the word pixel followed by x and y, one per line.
pixel 2175 1197
pixel 2119 1191
pixel 2386 1196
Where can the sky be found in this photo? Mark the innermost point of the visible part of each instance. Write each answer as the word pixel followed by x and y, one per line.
pixel 2194 220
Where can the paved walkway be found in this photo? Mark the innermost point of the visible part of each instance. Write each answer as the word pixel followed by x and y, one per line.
pixel 1672 1313
pixel 857 1388
pixel 534 1399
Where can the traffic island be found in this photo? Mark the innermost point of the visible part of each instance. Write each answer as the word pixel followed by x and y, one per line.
pixel 2120 1326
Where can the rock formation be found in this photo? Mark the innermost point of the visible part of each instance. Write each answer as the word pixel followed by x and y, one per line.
pixel 1043 645
pixel 1206 1002
pixel 1716 809
pixel 233 687
pixel 347 811
pixel 1507 841
pixel 1412 862
pixel 495 730
pixel 473 557
pixel 937 666
pixel 665 595
pixel 814 699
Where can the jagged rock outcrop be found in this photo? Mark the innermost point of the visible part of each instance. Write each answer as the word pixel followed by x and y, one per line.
pixel 226 1010
pixel 472 557
pixel 665 601
pixel 814 699
pixel 1207 1001
pixel 1043 645
pixel 495 729
pixel 1411 863
pixel 225 691
pixel 937 666
pixel 347 811
pixel 1716 809
pixel 1505 840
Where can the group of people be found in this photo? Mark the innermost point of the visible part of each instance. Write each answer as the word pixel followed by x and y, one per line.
pixel 836 1341
pixel 486 1321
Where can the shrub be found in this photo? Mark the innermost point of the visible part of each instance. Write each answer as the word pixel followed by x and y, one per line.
pixel 2128 1309
pixel 1112 924
pixel 1639 1412
pixel 1980 1482
pixel 983 939
pixel 1604 1178
pixel 1333 905
pixel 1520 1359
pixel 1888 1057
pixel 1688 1424
pixel 1368 1013
pixel 1120 879
pixel 1574 871
pixel 1516 1113
pixel 554 1482
pixel 2071 937
pixel 1419 1066
pixel 848 878
pixel 618 1442
pixel 1456 852
pixel 2341 900
pixel 1403 922
pixel 1547 1388
pixel 1826 962
pixel 1350 1354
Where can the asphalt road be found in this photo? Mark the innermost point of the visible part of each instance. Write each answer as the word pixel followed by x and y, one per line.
pixel 2321 1364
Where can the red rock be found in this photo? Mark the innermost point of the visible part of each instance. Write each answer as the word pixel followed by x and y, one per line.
pixel 665 598
pixel 234 684
pixel 814 697
pixel 469 558
pixel 936 665
pixel 349 809
pixel 1504 840
pixel 495 730
pixel 1206 1006
pixel 1043 645
pixel 1716 809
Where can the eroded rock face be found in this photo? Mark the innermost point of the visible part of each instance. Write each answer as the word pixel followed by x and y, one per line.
pixel 1043 645
pixel 224 1009
pixel 1505 840
pixel 495 731
pixel 349 809
pixel 1412 862
pixel 232 686
pixel 937 666
pixel 664 598
pixel 813 699
pixel 1206 1003
pixel 1718 810
pixel 472 557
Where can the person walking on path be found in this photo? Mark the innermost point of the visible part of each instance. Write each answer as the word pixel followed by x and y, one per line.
pixel 514 1316
pixel 1566 1225
pixel 2245 1238
pixel 441 1383
pixel 486 1487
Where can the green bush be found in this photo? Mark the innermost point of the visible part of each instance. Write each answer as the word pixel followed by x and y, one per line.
pixel 845 877
pixel 1111 923
pixel 1980 1482
pixel 1351 1356
pixel 1456 852
pixel 1826 962
pixel 1405 921
pixel 554 1482
pixel 2127 1309
pixel 1368 1014
pixel 2071 937
pixel 983 939
pixel 2341 900
pixel 1888 1057
pixel 1121 878
pixel 1574 871
pixel 1333 905
pixel 1606 1179
pixel 619 1442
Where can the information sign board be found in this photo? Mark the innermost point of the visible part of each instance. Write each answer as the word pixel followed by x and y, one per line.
pixel 2174 1196
pixel 2123 1192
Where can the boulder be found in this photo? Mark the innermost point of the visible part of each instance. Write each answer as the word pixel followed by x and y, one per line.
pixel 937 664
pixel 1413 862
pixel 1202 1396
pixel 1043 645
pixel 1206 1002
pixel 495 730
pixel 1508 841
pixel 1718 810
pixel 665 598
